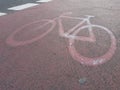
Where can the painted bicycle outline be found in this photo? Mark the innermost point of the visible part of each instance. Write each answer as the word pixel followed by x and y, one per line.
pixel 72 37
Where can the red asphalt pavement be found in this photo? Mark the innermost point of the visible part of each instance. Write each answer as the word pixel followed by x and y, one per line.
pixel 47 64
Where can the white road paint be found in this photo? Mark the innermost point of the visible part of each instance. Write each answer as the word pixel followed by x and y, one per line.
pixel 98 61
pixel 44 1
pixel 22 7
pixel 1 14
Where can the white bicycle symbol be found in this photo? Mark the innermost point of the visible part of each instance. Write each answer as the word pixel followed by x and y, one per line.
pixel 72 37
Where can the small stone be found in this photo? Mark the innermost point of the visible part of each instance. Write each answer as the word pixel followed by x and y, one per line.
pixel 82 81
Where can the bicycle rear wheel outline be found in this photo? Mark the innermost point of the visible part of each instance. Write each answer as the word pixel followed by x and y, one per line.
pixel 97 60
pixel 12 42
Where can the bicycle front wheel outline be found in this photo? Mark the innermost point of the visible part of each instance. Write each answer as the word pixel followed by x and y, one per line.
pixel 12 42
pixel 96 60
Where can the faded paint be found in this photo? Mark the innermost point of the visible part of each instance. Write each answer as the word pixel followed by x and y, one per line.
pixel 72 37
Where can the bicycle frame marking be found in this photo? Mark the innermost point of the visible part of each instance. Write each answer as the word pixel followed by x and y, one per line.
pixel 91 38
pixel 72 37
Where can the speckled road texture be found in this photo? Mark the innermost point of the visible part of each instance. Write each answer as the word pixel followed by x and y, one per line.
pixel 47 64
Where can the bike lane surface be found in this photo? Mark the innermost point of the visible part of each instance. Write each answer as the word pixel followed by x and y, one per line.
pixel 47 64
